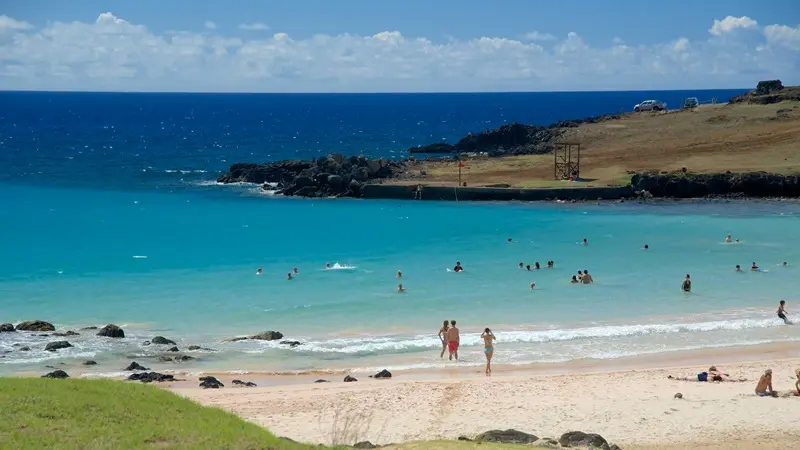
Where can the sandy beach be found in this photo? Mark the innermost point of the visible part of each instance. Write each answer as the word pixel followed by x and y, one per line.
pixel 632 408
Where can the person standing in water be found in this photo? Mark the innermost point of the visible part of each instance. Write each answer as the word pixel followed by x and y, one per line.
pixel 585 242
pixel 728 239
pixel 782 312
pixel 259 271
pixel 399 274
pixel 294 270
pixel 488 348
pixel 289 276
pixel 453 340
pixel 458 267
pixel 687 284
pixel 443 336
pixel 587 279
pixel 400 288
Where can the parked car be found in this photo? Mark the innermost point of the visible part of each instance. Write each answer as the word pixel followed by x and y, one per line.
pixel 650 105
pixel 690 103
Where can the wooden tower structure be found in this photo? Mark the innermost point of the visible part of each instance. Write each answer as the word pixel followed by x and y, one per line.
pixel 567 160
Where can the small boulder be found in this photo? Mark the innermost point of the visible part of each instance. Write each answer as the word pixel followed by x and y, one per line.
pixel 148 377
pixel 194 347
pixel 35 325
pixel 164 358
pixel 237 339
pixel 68 333
pixel 173 349
pixel 268 336
pixel 161 340
pixel 364 445
pixel 464 438
pixel 6 328
pixel 507 437
pixel 382 374
pixel 59 374
pixel 146 343
pixel 90 363
pixel 53 346
pixel 210 382
pixel 291 343
pixel 678 395
pixel 322 381
pixel 244 383
pixel 182 358
pixel 24 348
pixel 581 439
pixel 135 366
pixel 89 328
pixel 111 331
pixel 349 379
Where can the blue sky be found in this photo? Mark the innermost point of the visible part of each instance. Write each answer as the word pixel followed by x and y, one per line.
pixel 418 45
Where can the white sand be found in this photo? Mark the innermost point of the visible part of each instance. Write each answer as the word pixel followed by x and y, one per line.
pixel 629 408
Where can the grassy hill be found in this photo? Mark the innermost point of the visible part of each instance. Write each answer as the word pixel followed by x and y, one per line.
pixel 104 414
pixel 741 137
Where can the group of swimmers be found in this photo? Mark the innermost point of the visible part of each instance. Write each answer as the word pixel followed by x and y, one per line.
pixel 582 277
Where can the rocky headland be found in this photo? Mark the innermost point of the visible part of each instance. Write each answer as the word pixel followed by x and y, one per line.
pixel 692 185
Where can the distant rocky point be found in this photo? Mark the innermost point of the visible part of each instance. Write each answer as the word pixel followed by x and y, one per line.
pixel 770 91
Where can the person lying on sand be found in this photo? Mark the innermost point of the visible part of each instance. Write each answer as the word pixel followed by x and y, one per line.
pixel 764 386
pixel 712 375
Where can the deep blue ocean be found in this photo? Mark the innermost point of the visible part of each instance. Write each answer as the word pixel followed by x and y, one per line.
pixel 110 214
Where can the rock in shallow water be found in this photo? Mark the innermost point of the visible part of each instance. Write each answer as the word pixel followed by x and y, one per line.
pixel 35 325
pixel 6 328
pixel 161 340
pixel 53 346
pixel 90 363
pixel 135 366
pixel 111 331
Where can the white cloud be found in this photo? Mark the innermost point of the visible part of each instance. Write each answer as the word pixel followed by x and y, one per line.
pixel 253 26
pixel 783 35
pixel 731 23
pixel 537 36
pixel 9 24
pixel 210 25
pixel 113 54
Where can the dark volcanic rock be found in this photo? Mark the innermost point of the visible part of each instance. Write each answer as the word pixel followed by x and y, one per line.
pixel 24 348
pixel 506 437
pixel 331 176
pixel 349 379
pixel 364 445
pixel 268 336
pixel 111 331
pixel 90 363
pixel 244 383
pixel 382 374
pixel 148 377
pixel 162 341
pixel 53 346
pixel 35 325
pixel 68 333
pixel 183 358
pixel 6 328
pixel 135 366
pixel 291 343
pixel 689 185
pixel 173 349
pixel 60 374
pixel 322 381
pixel 210 382
pixel 89 328
pixel 581 439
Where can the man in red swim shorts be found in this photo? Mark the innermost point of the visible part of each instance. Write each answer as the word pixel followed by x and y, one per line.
pixel 453 340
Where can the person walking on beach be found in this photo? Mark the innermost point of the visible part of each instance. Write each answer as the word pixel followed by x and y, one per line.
pixel 443 336
pixel 488 348
pixel 687 284
pixel 782 312
pixel 453 340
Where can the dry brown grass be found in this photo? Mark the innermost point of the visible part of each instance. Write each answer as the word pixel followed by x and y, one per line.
pixel 711 138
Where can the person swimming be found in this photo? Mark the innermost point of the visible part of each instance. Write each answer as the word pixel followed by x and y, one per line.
pixel 400 288
pixel 528 267
pixel 728 239
pixel 585 242
pixel 458 267
pixel 521 265
pixel 646 247
pixel 580 275
pixel 785 264
pixel 686 286
pixel 551 264
pixel 259 271
pixel 536 266
pixel 738 268
pixel 533 284
pixel 327 265
pixel 754 267
pixel 399 274
pixel 509 240
pixel 294 270
pixel 574 280
pixel 289 276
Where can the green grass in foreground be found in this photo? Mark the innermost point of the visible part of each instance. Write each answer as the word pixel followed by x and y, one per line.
pixel 104 414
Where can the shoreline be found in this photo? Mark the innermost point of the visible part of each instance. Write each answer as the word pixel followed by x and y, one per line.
pixel 629 407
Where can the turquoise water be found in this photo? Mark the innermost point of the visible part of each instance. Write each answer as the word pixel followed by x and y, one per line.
pixel 182 264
